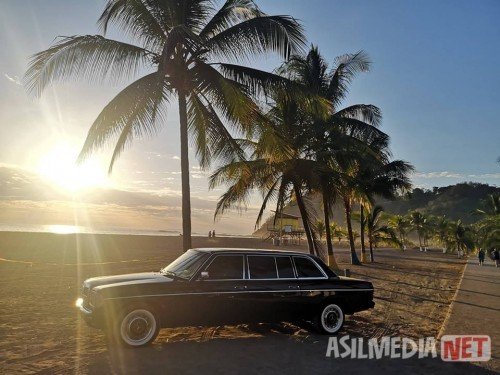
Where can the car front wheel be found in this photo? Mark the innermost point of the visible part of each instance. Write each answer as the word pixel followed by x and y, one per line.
pixel 330 319
pixel 137 327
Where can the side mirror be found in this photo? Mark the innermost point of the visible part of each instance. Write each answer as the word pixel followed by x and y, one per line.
pixel 204 275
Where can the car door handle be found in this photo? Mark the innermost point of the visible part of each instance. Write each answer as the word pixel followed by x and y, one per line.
pixel 240 287
pixel 294 287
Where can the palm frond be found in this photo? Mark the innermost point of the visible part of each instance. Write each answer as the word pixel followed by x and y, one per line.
pixel 231 13
pixel 212 139
pixel 90 57
pixel 367 113
pixel 228 97
pixel 280 34
pixel 133 112
pixel 345 69
pixel 138 18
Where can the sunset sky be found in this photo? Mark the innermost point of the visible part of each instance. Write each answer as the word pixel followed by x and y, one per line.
pixel 435 76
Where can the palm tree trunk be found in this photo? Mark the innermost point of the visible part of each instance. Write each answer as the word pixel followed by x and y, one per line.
pixel 326 208
pixel 304 215
pixel 362 232
pixel 347 208
pixel 186 198
pixel 370 242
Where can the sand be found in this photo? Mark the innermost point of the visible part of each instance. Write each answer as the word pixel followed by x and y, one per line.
pixel 40 330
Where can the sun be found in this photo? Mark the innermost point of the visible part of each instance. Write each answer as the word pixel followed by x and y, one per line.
pixel 59 166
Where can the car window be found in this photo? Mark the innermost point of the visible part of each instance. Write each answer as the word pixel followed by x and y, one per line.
pixel 186 265
pixel 226 267
pixel 262 267
pixel 306 268
pixel 285 268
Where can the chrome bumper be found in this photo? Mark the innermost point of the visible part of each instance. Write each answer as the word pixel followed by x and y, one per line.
pixel 88 315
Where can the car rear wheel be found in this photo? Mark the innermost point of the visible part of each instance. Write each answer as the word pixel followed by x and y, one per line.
pixel 330 319
pixel 137 327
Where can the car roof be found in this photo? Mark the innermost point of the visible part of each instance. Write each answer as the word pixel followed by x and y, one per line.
pixel 220 250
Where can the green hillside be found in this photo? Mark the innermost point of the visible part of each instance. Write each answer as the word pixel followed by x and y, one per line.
pixel 455 201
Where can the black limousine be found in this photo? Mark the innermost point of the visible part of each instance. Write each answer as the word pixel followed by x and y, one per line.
pixel 222 286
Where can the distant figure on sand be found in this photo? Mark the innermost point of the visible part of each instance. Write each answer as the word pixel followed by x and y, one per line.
pixel 496 257
pixel 213 233
pixel 209 234
pixel 480 256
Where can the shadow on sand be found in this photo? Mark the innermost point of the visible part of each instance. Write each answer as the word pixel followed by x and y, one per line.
pixel 261 349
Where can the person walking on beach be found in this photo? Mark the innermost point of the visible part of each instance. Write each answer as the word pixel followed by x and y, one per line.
pixel 496 257
pixel 213 233
pixel 209 234
pixel 480 256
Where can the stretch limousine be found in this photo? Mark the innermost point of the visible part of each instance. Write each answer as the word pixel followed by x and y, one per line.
pixel 222 286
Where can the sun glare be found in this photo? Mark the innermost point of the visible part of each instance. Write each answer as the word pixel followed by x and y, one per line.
pixel 59 166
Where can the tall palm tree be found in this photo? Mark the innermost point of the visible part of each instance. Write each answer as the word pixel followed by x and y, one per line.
pixel 377 178
pixel 278 167
pixel 188 48
pixel 362 226
pixel 333 84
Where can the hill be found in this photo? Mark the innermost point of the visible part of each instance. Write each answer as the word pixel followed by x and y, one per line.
pixel 454 201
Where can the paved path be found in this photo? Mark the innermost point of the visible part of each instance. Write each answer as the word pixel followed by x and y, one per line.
pixel 476 309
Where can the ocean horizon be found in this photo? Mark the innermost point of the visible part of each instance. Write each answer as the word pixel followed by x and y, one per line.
pixel 80 229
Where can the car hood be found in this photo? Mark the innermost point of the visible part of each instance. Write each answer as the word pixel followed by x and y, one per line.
pixel 130 277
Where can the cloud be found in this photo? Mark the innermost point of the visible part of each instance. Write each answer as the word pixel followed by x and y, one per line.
pixel 484 175
pixel 455 175
pixel 13 79
pixel 27 199
pixel 444 174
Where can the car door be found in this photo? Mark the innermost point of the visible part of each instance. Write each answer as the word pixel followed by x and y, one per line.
pixel 310 278
pixel 221 291
pixel 272 288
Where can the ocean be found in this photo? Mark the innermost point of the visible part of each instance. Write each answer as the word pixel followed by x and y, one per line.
pixel 71 229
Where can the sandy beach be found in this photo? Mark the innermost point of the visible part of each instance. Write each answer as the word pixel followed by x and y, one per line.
pixel 41 330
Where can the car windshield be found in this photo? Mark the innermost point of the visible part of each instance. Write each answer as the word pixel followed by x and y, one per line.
pixel 186 265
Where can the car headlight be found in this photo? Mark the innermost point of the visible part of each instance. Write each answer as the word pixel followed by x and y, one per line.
pixel 95 299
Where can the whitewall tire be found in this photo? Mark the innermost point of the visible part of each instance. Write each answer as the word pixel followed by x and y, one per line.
pixel 331 319
pixel 137 327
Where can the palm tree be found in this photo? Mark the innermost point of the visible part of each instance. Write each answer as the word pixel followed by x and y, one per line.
pixel 401 225
pixel 418 221
pixel 461 237
pixel 362 227
pixel 336 231
pixel 491 206
pixel 312 71
pixel 379 232
pixel 343 126
pixel 375 177
pixel 187 47
pixel 278 167
pixel 429 229
pixel 488 232
pixel 442 231
pixel 320 228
